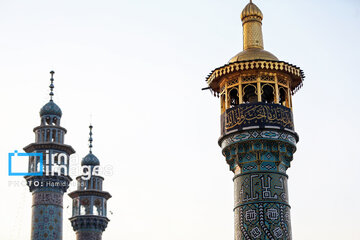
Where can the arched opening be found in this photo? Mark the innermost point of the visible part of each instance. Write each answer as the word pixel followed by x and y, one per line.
pixel 48 135
pixel 105 208
pixel 43 135
pixel 32 164
pixel 267 93
pixel 94 183
pixel 63 165
pixel 97 184
pixel 38 139
pixel 233 97
pixel 75 206
pixel 53 135
pixel 47 120
pixel 85 206
pixel 283 97
pixel 37 165
pixel 80 185
pixel 97 207
pixel 249 94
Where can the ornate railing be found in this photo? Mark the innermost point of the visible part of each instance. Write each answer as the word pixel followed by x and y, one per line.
pixel 256 115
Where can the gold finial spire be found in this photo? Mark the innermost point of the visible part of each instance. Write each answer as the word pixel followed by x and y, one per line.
pixel 251 17
pixel 253 44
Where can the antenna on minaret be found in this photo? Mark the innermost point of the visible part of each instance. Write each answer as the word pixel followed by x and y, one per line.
pixel 90 139
pixel 51 85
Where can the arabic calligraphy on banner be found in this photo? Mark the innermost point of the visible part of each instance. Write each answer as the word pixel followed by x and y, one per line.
pixel 258 114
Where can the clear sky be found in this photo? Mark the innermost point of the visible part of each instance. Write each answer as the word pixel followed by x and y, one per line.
pixel 138 67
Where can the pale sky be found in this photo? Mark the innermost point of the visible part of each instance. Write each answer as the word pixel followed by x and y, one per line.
pixel 138 68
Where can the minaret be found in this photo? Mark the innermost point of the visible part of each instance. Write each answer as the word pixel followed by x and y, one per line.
pixel 53 180
pixel 89 200
pixel 257 131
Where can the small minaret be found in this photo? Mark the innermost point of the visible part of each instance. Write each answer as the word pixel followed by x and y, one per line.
pixel 257 131
pixel 89 218
pixel 53 180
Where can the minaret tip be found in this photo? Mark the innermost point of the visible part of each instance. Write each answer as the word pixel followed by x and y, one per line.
pixel 51 85
pixel 90 138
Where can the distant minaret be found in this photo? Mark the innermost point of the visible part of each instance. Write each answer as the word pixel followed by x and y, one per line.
pixel 89 217
pixel 257 131
pixel 47 188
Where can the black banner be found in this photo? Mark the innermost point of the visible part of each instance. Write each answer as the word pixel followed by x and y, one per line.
pixel 256 114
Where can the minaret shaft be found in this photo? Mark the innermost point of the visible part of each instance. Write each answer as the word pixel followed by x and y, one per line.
pixel 86 235
pixel 47 215
pixel 261 207
pixel 259 159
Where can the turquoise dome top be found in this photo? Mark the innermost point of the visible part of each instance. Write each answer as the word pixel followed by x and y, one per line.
pixel 50 108
pixel 90 160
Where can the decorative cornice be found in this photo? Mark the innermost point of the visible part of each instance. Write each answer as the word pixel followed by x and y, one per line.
pixel 49 145
pixel 50 126
pixel 89 222
pixel 94 176
pixel 296 73
pixel 249 153
pixel 260 172
pixel 270 134
pixel 90 192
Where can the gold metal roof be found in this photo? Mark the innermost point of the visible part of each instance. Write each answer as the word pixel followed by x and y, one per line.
pixel 253 54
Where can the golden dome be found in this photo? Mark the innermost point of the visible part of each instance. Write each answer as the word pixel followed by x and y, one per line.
pixel 251 10
pixel 253 54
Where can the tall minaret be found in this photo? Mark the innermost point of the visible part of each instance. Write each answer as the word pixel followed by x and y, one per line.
pixel 257 131
pixel 89 215
pixel 53 180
